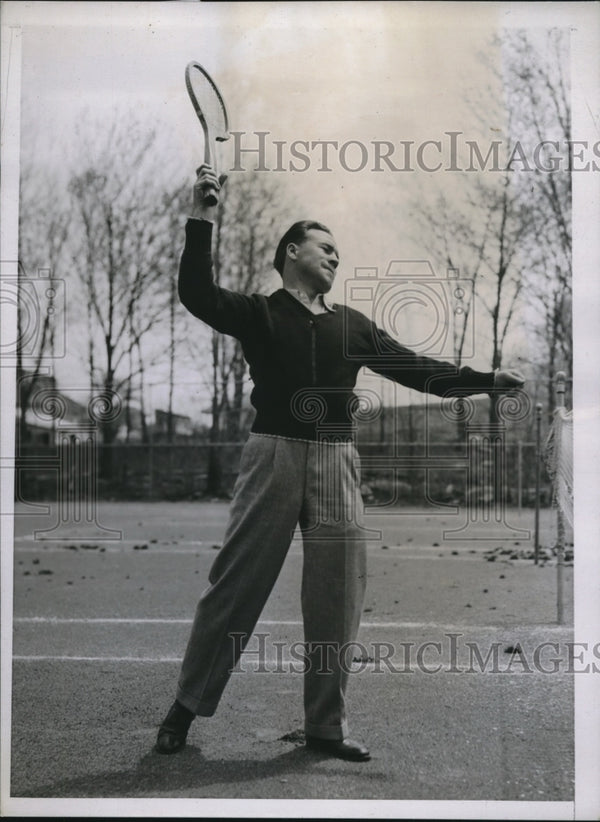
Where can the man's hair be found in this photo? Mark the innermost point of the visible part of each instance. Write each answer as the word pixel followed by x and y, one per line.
pixel 296 234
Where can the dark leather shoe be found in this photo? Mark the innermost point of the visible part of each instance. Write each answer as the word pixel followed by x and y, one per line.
pixel 173 732
pixel 341 748
pixel 169 742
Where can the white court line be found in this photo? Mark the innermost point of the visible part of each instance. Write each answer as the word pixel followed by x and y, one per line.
pixel 291 623
pixel 101 620
pixel 48 658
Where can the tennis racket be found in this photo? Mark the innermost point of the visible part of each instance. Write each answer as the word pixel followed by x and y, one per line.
pixel 210 109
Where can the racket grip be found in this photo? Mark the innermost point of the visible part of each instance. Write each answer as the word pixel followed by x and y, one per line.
pixel 210 197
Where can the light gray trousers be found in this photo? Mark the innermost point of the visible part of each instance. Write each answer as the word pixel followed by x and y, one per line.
pixel 282 483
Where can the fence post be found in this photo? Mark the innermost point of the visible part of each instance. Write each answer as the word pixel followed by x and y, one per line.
pixel 560 523
pixel 538 460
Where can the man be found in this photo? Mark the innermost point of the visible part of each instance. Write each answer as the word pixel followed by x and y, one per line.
pixel 299 466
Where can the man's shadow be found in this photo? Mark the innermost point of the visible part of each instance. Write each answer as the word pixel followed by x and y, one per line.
pixel 187 773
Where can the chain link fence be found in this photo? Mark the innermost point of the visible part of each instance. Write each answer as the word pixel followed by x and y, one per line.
pixel 405 472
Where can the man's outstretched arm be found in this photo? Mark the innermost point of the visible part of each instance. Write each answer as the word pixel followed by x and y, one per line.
pixel 393 360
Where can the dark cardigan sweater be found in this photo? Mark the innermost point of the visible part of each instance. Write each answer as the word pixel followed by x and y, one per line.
pixel 304 366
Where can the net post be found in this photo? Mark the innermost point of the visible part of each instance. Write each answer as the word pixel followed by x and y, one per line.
pixel 560 523
pixel 538 465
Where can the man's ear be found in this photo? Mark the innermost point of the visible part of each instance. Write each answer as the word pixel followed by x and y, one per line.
pixel 292 250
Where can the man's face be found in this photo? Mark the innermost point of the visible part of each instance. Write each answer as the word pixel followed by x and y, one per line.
pixel 317 260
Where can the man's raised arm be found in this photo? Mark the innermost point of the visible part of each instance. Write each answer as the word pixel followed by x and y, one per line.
pixel 224 310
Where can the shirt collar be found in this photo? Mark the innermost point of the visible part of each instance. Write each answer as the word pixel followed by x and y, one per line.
pixel 303 298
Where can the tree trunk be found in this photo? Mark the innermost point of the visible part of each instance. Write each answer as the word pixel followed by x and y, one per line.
pixel 143 420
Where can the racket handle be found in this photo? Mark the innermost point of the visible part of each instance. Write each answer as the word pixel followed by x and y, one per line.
pixel 210 197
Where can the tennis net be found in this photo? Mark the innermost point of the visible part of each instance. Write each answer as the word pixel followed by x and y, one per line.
pixel 558 456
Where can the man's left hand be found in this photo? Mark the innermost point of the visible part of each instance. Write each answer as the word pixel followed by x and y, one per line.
pixel 505 381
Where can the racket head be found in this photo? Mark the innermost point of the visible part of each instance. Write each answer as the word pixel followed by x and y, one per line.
pixel 207 101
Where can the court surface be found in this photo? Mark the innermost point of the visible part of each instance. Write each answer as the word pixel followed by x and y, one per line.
pixel 101 619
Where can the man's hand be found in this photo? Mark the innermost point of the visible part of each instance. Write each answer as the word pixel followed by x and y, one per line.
pixel 206 178
pixel 505 381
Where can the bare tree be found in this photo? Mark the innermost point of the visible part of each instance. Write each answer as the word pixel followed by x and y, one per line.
pixel 457 246
pixel 177 318
pixel 510 227
pixel 43 249
pixel 121 228
pixel 508 224
pixel 537 75
pixel 483 236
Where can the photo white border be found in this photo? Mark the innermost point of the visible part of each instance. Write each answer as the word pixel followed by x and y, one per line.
pixel 583 18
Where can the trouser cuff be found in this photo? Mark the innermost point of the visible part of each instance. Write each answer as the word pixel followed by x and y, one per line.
pixel 196 706
pixel 327 731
